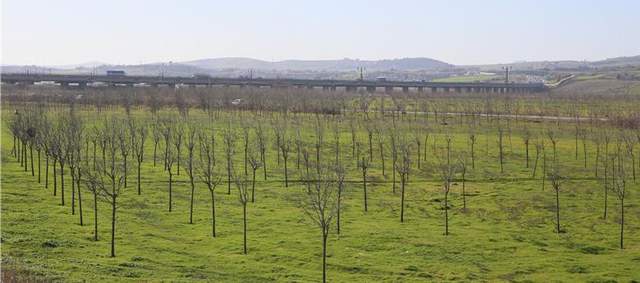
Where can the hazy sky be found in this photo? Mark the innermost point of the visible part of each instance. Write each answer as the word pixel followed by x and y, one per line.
pixel 56 32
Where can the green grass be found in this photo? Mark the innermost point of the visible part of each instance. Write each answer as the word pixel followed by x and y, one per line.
pixel 507 233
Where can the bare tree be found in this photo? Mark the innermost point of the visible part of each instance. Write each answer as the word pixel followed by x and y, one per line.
pixel 138 135
pixel 262 144
pixel 192 132
pixel 285 145
pixel 472 143
pixel 245 132
pixel 320 204
pixel 178 133
pixel 539 149
pixel 206 170
pixel 340 175
pixel 403 166
pixel 463 165
pixel 526 137
pixel 124 142
pixel 447 173
pixel 109 181
pixel 241 184
pixel 552 134
pixel 381 142
pixel 555 179
pixel 254 161
pixel 619 186
pixel 319 139
pixel 157 135
pixel 364 165
pixel 170 159
pixel 229 148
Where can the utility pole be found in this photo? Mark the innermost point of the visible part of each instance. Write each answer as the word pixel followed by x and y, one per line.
pixel 361 70
pixel 506 73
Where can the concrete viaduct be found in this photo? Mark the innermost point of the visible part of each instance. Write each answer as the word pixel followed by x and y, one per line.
pixel 346 85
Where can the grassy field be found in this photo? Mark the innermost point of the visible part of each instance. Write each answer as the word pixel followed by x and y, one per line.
pixel 506 233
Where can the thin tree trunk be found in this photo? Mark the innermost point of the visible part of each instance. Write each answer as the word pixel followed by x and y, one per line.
pixel 264 164
pixel 364 184
pixel 526 145
pixel 125 171
pixel 338 211
pixel 39 165
pixel 73 191
pixel 113 228
pixel 606 192
pixel 382 157
pixel 55 178
pixel 253 186
pixel 244 225
pixel 95 216
pixel 139 165
pixel 193 189
pixel 213 214
pixel 324 257
pixel 155 149
pixel 31 157
pixel 402 198
pixel 228 175
pixel 46 171
pixel 622 223
pixel 446 213
pixel 170 192
pixel 557 212
pixel 79 198
pixel 464 193
pixel 62 182
pixel 286 175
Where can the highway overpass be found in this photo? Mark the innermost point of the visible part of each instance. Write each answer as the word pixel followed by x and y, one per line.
pixel 332 85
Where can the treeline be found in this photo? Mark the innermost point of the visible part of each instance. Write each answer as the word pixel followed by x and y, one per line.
pixel 619 110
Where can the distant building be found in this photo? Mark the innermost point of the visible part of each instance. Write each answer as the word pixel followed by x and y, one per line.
pixel 116 73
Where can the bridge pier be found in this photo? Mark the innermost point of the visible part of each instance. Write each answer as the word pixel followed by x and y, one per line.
pixel 420 89
pixel 405 89
pixel 434 89
pixel 388 89
pixel 371 89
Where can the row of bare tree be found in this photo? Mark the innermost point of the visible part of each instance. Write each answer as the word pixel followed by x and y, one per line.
pixel 98 154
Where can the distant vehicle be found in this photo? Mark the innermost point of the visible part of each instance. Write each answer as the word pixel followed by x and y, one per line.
pixel 201 76
pixel 116 73
pixel 236 101
pixel 381 79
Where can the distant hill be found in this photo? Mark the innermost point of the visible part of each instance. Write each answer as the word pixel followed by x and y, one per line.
pixel 404 64
pixel 405 69
pixel 632 61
